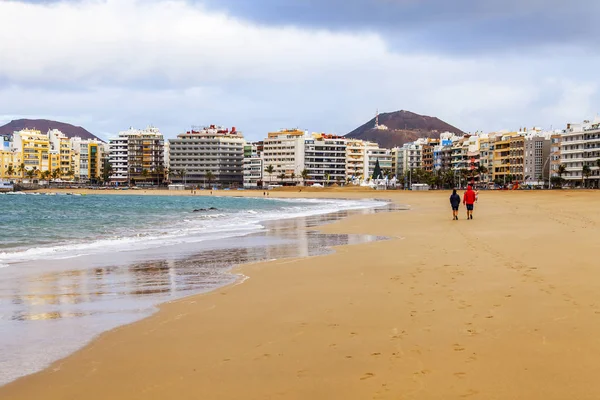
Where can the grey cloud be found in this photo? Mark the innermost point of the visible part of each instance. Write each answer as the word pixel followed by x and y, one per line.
pixel 437 25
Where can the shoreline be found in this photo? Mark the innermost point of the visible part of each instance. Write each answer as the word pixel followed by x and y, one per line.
pixel 234 271
pixel 486 308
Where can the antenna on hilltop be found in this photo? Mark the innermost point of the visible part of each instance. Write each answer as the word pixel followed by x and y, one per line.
pixel 377 119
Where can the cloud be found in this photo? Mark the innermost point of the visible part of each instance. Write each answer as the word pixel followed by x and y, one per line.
pixel 108 65
pixel 437 25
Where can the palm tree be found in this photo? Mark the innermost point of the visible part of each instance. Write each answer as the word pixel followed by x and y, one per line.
pixel 106 172
pixel 55 174
pixel 160 172
pixel 71 173
pixel 585 174
pixel 327 176
pixel 182 173
pixel 481 170
pixel 167 173
pixel 30 173
pixel 293 177
pixel 22 171
pixel 45 175
pixel 10 171
pixel 145 174
pixel 269 170
pixel 210 177
pixel 281 177
pixel 305 175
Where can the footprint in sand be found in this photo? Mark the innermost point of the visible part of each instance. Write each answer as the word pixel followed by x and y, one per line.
pixel 301 373
pixel 458 347
pixel 460 375
pixel 422 372
pixel 368 375
pixel 470 393
pixel 376 354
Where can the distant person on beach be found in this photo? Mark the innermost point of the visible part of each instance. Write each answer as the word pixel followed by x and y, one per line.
pixel 469 201
pixel 455 203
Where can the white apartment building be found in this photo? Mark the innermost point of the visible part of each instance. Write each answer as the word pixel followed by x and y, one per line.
pixel 325 159
pixel 383 156
pixel 283 152
pixel 580 145
pixel 357 161
pixel 137 155
pixel 211 155
pixel 60 147
pixel 408 157
pixel 253 166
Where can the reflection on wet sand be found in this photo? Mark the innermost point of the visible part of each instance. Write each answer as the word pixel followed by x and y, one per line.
pixel 43 296
pixel 49 309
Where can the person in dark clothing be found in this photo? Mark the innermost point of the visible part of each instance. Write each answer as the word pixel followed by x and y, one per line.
pixel 455 203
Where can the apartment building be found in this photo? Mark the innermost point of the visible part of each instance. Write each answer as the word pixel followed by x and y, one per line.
pixel 87 157
pixel 362 156
pixel 501 158
pixel 555 159
pixel 580 146
pixel 34 149
pixel 427 154
pixel 381 156
pixel 60 151
pixel 537 159
pixel 136 155
pixel 283 154
pixel 209 155
pixel 253 165
pixel 516 157
pixel 486 157
pixel 325 158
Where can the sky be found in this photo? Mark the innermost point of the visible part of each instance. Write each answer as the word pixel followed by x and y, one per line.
pixel 317 65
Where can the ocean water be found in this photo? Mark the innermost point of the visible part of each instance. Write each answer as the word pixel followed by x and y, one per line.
pixel 40 227
pixel 72 267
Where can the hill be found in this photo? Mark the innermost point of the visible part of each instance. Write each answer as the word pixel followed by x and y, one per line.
pixel 402 127
pixel 44 125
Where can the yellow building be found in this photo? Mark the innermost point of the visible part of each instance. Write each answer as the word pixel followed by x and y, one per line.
pixel 32 150
pixel 509 152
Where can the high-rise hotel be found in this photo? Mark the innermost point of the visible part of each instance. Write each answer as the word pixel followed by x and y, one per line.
pixel 209 155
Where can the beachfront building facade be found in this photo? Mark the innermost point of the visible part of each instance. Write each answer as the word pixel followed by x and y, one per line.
pixel 361 158
pixel 536 160
pixel 580 147
pixel 136 155
pixel 555 162
pixel 486 157
pixel 325 159
pixel 211 155
pixel 516 157
pixel 380 156
pixel 60 153
pixel 253 165
pixel 283 156
pixel 87 156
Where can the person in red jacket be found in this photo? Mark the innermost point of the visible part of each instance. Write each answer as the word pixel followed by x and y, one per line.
pixel 469 200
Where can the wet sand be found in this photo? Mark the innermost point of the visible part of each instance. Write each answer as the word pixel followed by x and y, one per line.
pixel 504 306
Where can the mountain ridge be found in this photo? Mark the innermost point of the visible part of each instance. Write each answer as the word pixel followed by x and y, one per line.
pixel 44 125
pixel 401 127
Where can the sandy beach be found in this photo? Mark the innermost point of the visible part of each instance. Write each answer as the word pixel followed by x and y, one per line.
pixel 506 306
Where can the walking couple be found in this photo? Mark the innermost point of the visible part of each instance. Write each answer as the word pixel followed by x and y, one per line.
pixel 469 199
